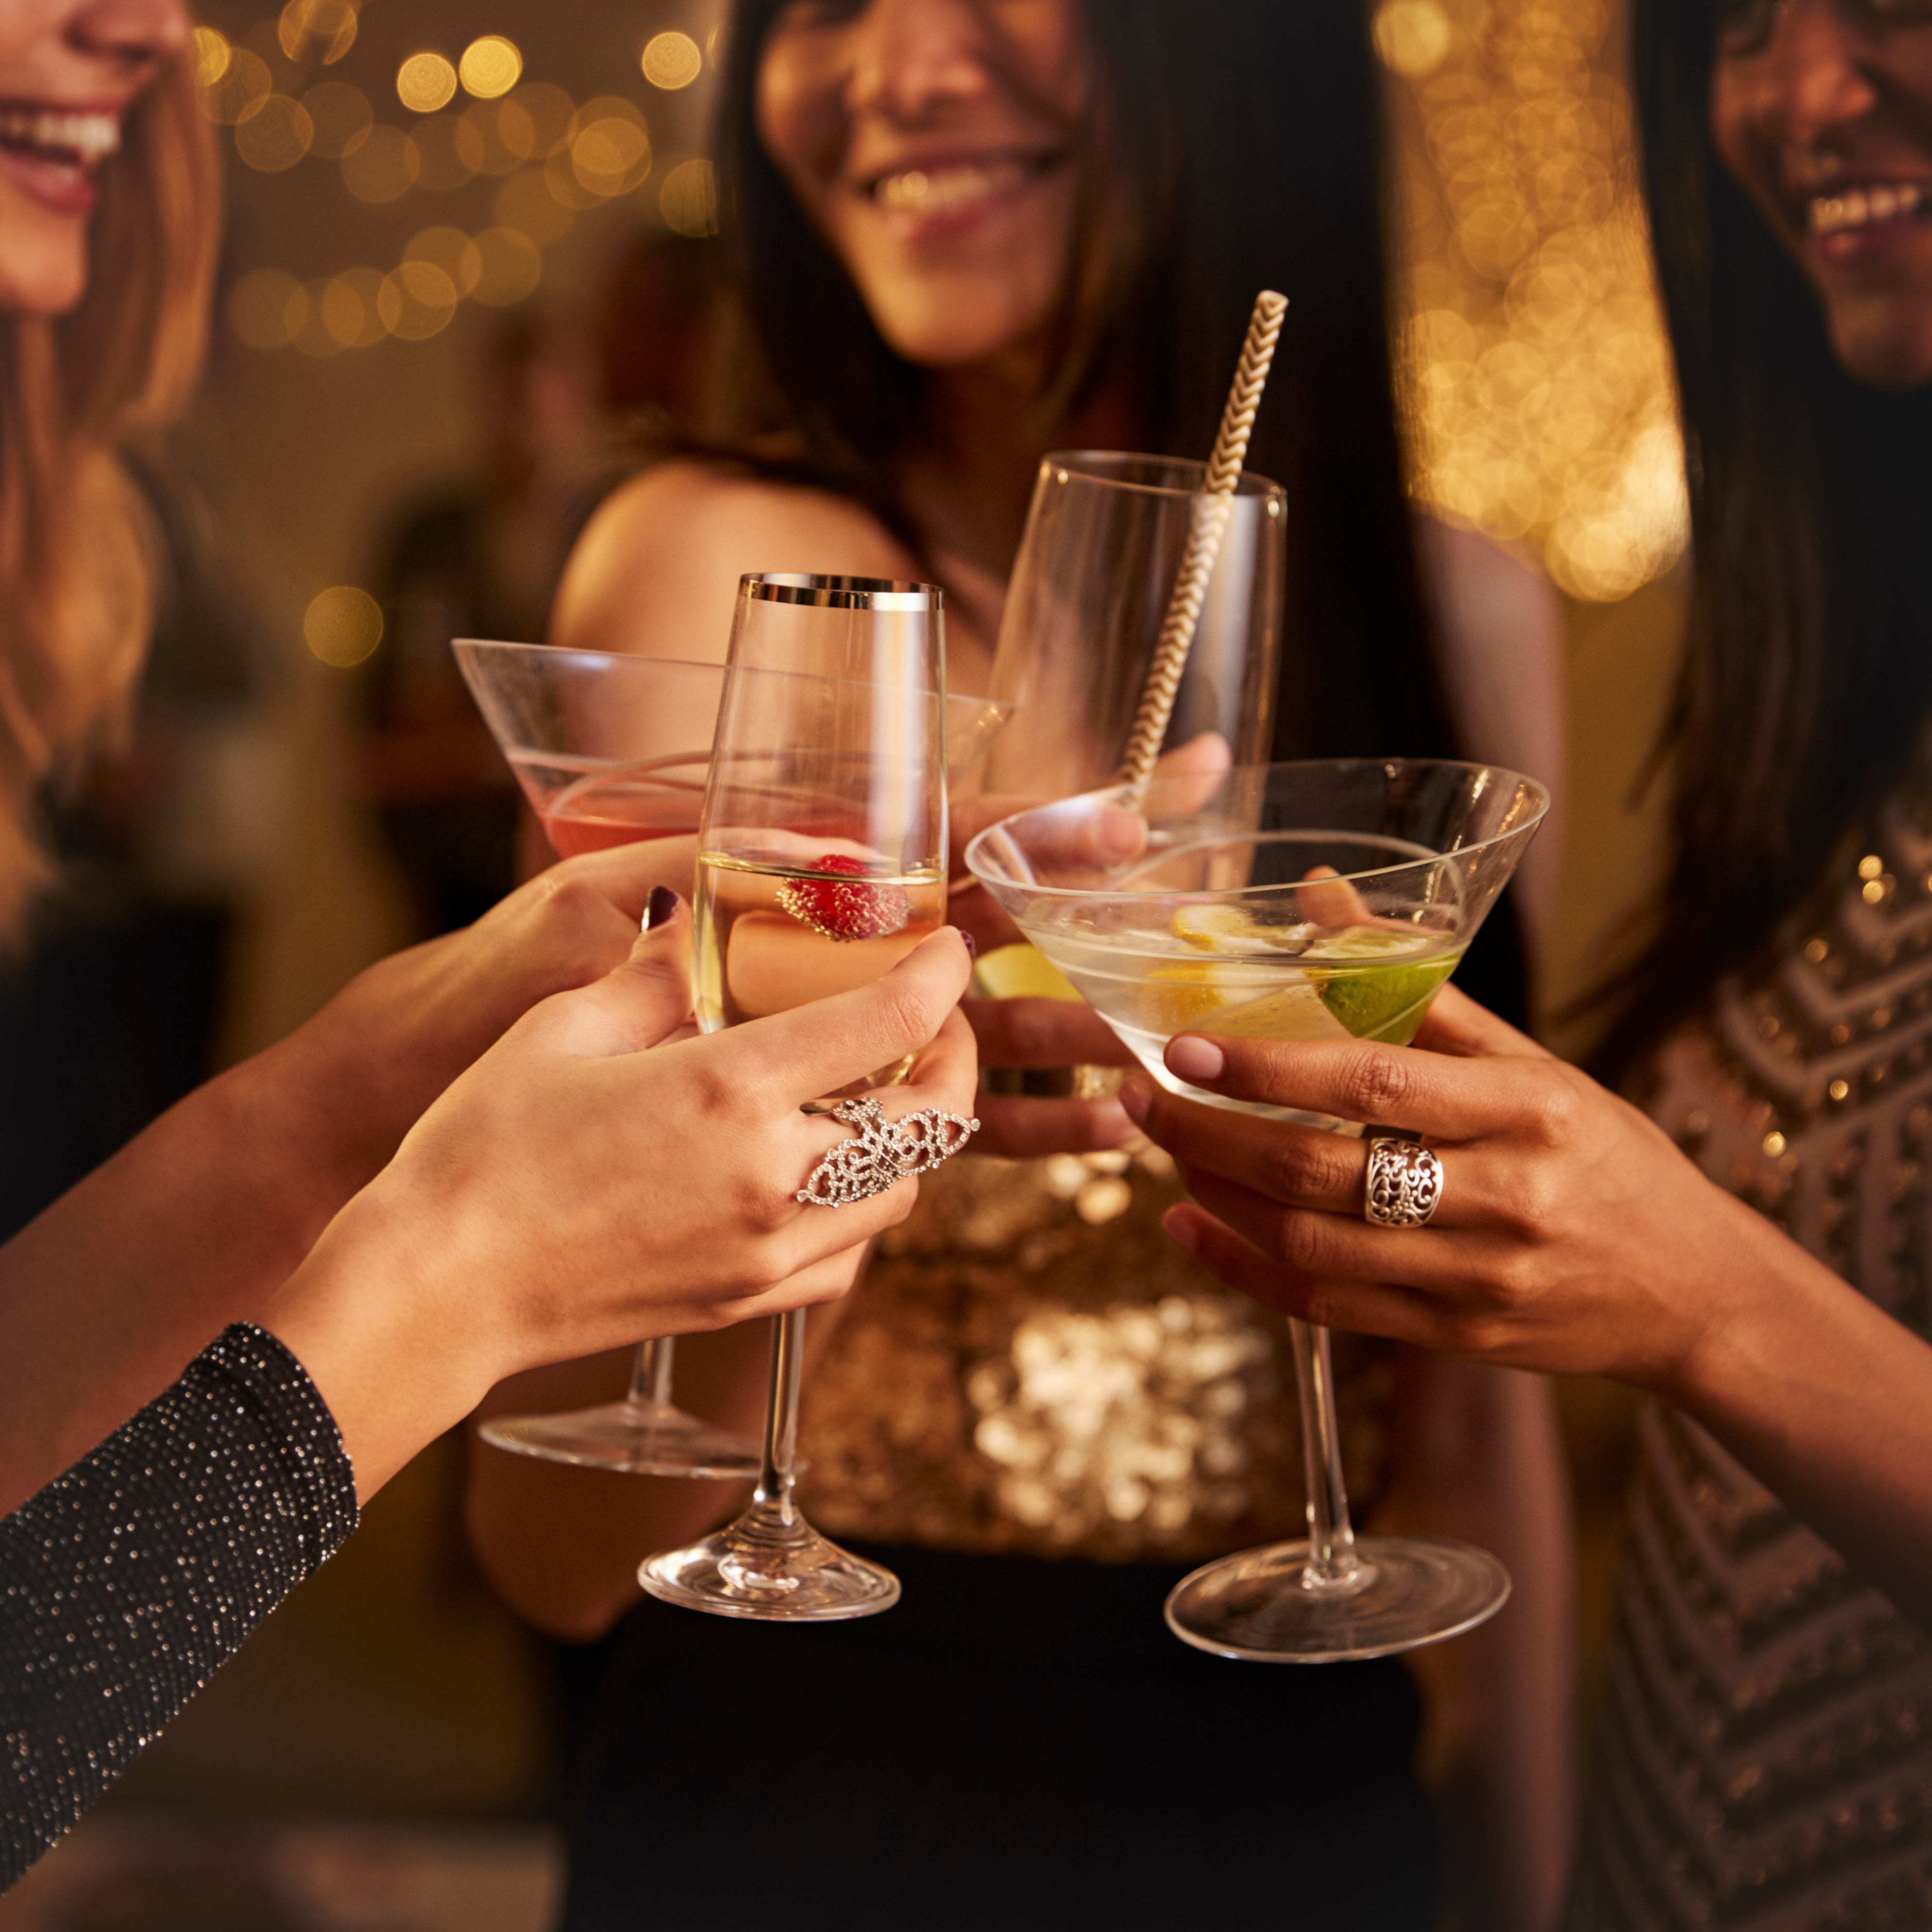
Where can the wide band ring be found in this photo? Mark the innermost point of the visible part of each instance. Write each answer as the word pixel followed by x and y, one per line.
pixel 1405 1183
pixel 886 1152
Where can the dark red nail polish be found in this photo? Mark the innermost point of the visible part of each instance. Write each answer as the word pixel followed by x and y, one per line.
pixel 972 946
pixel 662 909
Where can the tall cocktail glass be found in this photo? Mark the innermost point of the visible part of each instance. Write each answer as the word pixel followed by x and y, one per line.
pixel 1324 900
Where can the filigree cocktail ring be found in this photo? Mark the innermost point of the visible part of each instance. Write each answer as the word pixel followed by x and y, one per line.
pixel 1405 1183
pixel 885 1152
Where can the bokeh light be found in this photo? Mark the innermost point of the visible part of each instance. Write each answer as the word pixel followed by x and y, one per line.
pixel 306 26
pixel 274 134
pixel 348 311
pixel 672 61
pixel 451 251
pixel 511 265
pixel 442 166
pixel 491 67
pixel 240 82
pixel 308 328
pixel 610 150
pixel 688 199
pixel 342 625
pixel 1412 36
pixel 416 301
pixel 425 83
pixel 258 307
pixel 210 52
pixel 381 167
pixel 1540 388
pixel 340 116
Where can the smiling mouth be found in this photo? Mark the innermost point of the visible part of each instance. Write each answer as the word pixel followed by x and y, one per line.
pixel 74 140
pixel 947 187
pixel 1858 208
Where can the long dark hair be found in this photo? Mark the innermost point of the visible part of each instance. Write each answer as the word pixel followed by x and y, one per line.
pixel 1808 670
pixel 1241 149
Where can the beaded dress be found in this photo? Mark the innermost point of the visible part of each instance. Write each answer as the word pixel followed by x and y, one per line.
pixel 1766 1761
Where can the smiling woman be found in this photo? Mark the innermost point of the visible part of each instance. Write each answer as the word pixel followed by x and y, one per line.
pixel 103 279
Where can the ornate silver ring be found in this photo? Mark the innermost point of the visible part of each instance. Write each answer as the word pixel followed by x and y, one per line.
pixel 885 1152
pixel 1405 1183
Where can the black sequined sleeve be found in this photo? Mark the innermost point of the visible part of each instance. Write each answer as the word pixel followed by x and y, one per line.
pixel 126 1583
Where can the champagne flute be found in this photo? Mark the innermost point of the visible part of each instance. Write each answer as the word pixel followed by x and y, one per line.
pixel 1325 900
pixel 822 862
pixel 610 749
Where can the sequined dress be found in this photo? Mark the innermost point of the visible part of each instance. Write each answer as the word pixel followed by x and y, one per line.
pixel 125 1583
pixel 1766 1759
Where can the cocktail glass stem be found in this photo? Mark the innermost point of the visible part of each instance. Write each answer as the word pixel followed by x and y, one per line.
pixel 1333 1565
pixel 650 1375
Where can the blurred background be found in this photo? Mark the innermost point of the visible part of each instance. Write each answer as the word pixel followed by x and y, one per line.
pixel 467 278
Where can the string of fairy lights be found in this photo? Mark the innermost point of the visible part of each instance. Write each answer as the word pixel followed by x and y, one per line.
pixel 1537 372
pixel 473 117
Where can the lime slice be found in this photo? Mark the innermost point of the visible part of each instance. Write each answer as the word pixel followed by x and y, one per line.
pixel 1297 1011
pixel 1382 1003
pixel 1022 972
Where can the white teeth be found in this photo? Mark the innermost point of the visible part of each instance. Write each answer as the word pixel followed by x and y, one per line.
pixel 86 137
pixel 938 190
pixel 1857 208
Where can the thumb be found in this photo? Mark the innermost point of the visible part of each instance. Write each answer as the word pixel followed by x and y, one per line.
pixel 648 997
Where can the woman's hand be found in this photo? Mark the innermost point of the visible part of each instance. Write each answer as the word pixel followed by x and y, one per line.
pixel 360 1072
pixel 583 1186
pixel 1034 1033
pixel 1572 1235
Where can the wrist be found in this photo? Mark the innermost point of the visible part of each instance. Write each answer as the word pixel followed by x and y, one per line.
pixel 384 1331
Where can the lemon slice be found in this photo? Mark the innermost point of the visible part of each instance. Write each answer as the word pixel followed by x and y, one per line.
pixel 1022 972
pixel 1213 928
pixel 1177 997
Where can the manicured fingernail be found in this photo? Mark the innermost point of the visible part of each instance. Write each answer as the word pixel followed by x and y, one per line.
pixel 1194 1058
pixel 661 909
pixel 971 944
pixel 1178 1225
pixel 1136 1096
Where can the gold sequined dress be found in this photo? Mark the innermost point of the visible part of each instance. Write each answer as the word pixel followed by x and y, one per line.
pixel 1031 1368
pixel 1766 1762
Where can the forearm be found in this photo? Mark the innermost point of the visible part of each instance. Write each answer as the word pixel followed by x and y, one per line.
pixel 107 1296
pixel 133 1576
pixel 1477 1456
pixel 562 1545
pixel 1828 1401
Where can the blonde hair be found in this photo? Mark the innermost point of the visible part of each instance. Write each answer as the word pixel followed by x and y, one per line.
pixel 77 558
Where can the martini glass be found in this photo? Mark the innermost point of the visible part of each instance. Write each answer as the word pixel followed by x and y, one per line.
pixel 612 748
pixel 822 863
pixel 1326 900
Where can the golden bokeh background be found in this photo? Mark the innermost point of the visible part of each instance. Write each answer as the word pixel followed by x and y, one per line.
pixel 1536 375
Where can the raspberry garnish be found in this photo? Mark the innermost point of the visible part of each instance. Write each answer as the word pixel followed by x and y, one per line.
pixel 866 910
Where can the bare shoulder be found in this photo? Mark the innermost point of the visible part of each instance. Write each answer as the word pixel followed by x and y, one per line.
pixel 657 565
pixel 1482 586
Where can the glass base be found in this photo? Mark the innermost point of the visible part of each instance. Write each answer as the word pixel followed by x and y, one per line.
pixel 637 1438
pixel 763 1567
pixel 1263 1606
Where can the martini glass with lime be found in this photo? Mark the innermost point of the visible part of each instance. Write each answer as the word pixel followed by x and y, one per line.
pixel 1321 901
